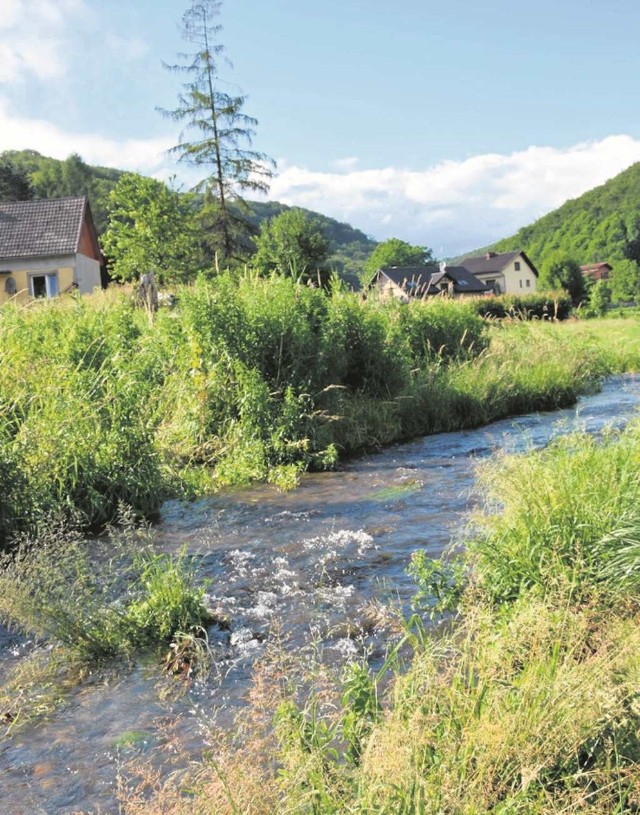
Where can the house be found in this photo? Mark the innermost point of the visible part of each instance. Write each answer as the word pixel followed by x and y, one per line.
pixel 504 273
pixel 407 282
pixel 47 247
pixel 597 271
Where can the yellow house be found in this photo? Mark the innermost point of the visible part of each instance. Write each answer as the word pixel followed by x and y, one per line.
pixel 47 247
pixel 505 273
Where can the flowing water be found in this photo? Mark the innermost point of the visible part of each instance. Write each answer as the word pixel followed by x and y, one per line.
pixel 307 564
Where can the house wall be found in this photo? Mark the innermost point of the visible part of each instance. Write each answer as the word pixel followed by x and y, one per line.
pixel 22 270
pixel 387 288
pixel 516 281
pixel 493 278
pixel 87 243
pixel 87 274
pixel 512 280
pixel 599 273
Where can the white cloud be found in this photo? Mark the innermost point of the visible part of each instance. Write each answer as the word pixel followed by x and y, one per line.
pixel 32 37
pixel 141 155
pixel 458 205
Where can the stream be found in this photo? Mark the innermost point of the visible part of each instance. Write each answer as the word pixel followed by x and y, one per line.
pixel 308 564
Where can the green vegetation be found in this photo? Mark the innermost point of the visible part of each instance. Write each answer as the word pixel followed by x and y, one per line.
pixel 49 178
pixel 253 379
pixel 292 244
pixel 601 225
pixel 562 272
pixel 547 305
pixel 394 252
pixel 15 184
pixel 93 604
pixel 151 228
pixel 528 703
pixel 624 282
pixel 99 601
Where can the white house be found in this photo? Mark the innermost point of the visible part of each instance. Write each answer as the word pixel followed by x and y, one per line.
pixel 505 273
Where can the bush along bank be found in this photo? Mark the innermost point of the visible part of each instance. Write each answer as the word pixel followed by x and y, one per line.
pixel 528 703
pixel 554 305
pixel 249 379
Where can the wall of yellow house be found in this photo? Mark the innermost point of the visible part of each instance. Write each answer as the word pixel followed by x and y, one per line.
pixel 22 271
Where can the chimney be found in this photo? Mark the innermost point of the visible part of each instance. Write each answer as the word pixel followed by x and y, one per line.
pixel 490 255
pixel 443 265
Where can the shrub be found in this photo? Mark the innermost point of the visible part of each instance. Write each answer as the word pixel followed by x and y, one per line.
pixel 543 306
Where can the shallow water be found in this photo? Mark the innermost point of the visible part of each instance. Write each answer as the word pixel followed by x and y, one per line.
pixel 307 564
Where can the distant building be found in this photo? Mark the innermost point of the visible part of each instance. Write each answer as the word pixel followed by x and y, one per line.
pixel 48 247
pixel 597 271
pixel 504 273
pixel 410 282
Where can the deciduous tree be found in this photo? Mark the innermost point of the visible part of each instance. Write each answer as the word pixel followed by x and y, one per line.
pixel 563 272
pixel 625 281
pixel 151 228
pixel 15 184
pixel 291 244
pixel 395 252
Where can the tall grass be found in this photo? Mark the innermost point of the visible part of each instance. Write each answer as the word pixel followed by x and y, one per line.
pixel 253 379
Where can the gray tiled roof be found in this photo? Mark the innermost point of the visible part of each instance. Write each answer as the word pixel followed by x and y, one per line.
pixel 464 280
pixel 418 280
pixel 494 264
pixel 30 229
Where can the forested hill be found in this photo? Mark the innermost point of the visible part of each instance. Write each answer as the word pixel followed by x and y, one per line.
pixel 51 178
pixel 601 225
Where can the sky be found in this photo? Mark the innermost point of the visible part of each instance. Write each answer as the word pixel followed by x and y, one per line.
pixel 448 124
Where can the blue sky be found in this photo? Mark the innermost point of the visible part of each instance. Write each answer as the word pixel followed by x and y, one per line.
pixel 447 124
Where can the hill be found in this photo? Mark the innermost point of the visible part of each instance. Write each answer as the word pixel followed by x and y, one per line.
pixel 601 225
pixel 52 178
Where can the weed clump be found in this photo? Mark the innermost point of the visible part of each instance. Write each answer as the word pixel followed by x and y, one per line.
pixel 99 599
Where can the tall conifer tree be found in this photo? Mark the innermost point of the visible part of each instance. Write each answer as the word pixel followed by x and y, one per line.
pixel 217 134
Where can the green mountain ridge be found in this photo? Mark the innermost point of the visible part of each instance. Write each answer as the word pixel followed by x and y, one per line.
pixel 603 224
pixel 54 178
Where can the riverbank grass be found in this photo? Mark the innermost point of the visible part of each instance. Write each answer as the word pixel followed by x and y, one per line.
pixel 529 703
pixel 251 379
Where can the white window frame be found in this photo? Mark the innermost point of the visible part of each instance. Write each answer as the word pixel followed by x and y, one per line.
pixel 52 286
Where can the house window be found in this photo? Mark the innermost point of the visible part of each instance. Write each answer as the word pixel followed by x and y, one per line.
pixel 528 283
pixel 516 265
pixel 521 284
pixel 45 285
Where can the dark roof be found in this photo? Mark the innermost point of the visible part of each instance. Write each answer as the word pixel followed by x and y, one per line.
pixel 464 281
pixel 420 280
pixel 30 229
pixel 411 278
pixel 493 263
